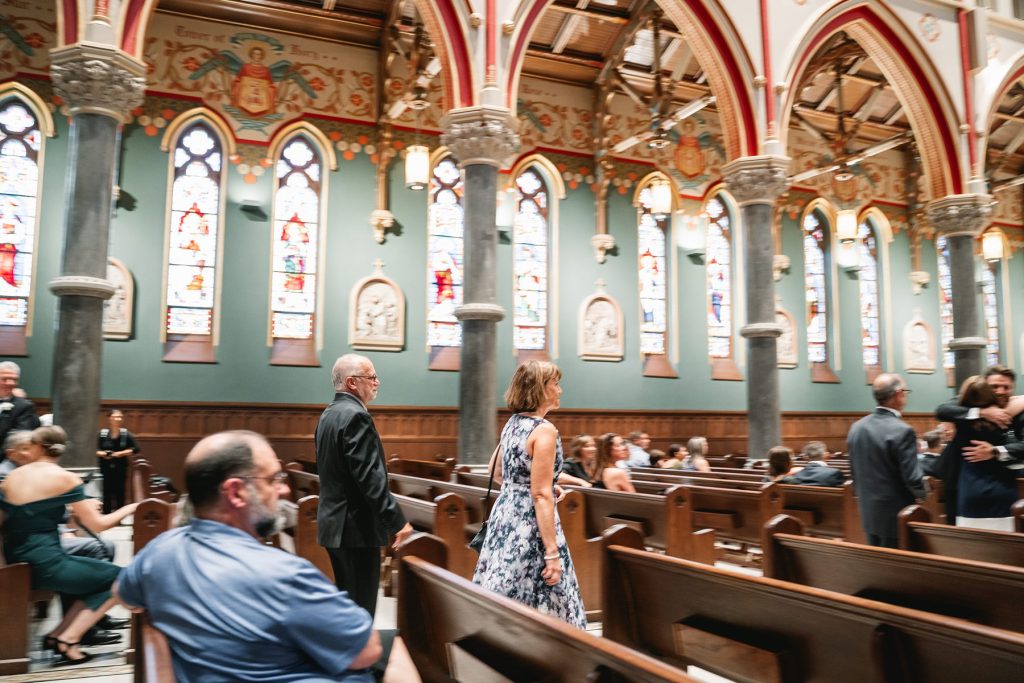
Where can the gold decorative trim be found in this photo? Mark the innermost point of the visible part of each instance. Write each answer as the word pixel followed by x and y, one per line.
pixel 284 136
pixel 184 119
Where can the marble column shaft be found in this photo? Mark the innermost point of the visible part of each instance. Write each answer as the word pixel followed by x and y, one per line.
pixel 961 218
pixel 481 138
pixel 97 91
pixel 756 182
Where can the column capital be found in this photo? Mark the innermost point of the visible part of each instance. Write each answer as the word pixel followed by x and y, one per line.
pixel 480 135
pixel 757 179
pixel 96 79
pixel 960 215
pixel 968 344
pixel 82 285
pixel 491 312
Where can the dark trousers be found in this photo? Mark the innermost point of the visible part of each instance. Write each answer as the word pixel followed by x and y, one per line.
pixel 115 474
pixel 357 572
pixel 882 541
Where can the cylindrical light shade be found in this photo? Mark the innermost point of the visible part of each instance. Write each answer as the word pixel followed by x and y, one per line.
pixel 661 197
pixel 691 231
pixel 417 167
pixel 506 215
pixel 846 226
pixel 992 245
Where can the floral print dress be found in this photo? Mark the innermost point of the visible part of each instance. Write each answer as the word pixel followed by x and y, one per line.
pixel 512 557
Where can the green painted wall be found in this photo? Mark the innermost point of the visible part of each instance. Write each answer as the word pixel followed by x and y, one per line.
pixel 133 369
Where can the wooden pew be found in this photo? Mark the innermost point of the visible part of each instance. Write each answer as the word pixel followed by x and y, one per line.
pixel 157 665
pixel 427 469
pixel 917 533
pixel 305 535
pixel 152 517
pixel 457 631
pixel 757 629
pixel 300 482
pixel 981 592
pixel 1017 510
pixel 447 519
pixel 15 603
pixel 140 474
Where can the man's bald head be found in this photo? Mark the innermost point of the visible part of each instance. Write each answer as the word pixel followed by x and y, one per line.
pixel 349 365
pixel 217 458
pixel 888 389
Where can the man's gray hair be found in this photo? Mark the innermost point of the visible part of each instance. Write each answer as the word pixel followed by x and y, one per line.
pixel 814 450
pixel 885 387
pixel 17 438
pixel 10 366
pixel 348 365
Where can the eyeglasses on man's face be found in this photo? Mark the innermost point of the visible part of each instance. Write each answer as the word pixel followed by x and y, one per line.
pixel 372 378
pixel 279 477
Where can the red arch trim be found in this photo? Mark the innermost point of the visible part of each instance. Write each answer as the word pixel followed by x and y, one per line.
pixel 518 50
pixel 132 23
pixel 453 29
pixel 70 21
pixel 864 14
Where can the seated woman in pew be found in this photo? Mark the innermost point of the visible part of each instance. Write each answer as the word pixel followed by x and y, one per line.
pixel 33 499
pixel 611 450
pixel 578 468
pixel 696 460
pixel 674 457
pixel 780 464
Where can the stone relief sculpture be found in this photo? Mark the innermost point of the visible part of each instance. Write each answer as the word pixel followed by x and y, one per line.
pixel 601 334
pixel 376 313
pixel 786 342
pixel 117 310
pixel 918 346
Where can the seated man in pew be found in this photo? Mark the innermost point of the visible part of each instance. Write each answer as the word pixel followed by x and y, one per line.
pixel 235 609
pixel 816 472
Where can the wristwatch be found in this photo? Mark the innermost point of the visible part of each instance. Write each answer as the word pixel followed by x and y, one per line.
pixel 1002 455
pixel 110 454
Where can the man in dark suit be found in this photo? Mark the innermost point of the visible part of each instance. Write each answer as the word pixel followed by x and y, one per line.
pixel 1011 456
pixel 357 513
pixel 883 461
pixel 15 412
pixel 816 472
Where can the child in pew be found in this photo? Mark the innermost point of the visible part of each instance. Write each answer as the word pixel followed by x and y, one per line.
pixel 673 457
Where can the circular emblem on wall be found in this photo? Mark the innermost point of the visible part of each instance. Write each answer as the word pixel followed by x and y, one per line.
pixel 929 26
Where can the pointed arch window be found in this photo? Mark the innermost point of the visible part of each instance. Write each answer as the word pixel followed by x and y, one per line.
pixel 870 299
pixel 20 161
pixel 530 249
pixel 817 289
pixel 652 263
pixel 295 247
pixel 444 264
pixel 194 230
pixel 945 307
pixel 719 273
pixel 991 310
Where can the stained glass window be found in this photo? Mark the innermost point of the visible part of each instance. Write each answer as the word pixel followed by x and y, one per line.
pixel 653 278
pixel 194 231
pixel 295 235
pixel 20 141
pixel 945 301
pixel 530 261
pixel 719 280
pixel 816 287
pixel 870 297
pixel 444 254
pixel 990 308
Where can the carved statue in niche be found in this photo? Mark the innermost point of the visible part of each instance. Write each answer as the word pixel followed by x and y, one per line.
pixel 785 345
pixel 601 334
pixel 117 310
pixel 918 346
pixel 377 313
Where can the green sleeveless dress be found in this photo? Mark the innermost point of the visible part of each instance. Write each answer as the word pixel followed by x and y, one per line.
pixel 30 535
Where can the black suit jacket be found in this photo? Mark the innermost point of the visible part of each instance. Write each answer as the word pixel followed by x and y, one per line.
pixel 886 474
pixel 356 507
pixel 948 467
pixel 816 473
pixel 22 415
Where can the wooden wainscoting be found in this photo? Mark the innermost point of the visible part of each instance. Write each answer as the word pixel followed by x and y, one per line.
pixel 167 430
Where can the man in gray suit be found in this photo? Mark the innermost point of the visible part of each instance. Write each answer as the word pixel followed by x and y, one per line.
pixel 883 461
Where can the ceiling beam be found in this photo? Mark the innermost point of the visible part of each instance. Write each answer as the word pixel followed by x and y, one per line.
pixel 565 33
pixel 591 12
pixel 626 36
pixel 683 65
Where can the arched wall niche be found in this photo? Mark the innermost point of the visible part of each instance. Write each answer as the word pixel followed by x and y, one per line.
pixel 907 67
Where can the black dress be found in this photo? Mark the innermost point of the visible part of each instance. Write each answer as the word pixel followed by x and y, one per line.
pixel 986 489
pixel 114 470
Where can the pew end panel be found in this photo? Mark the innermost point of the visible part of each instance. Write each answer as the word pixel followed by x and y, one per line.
pixel 681 538
pixel 15 602
pixel 152 517
pixel 1017 511
pixel 306 544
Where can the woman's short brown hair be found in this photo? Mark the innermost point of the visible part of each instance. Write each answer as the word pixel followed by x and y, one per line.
pixel 527 388
pixel 780 459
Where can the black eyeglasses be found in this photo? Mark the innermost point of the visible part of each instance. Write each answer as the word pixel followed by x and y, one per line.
pixel 905 390
pixel 372 378
pixel 279 477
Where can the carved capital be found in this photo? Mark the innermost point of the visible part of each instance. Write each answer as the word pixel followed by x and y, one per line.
pixel 919 279
pixel 780 264
pixel 960 214
pixel 602 243
pixel 82 285
pixel 94 79
pixel 480 135
pixel 492 312
pixel 757 180
pixel 381 220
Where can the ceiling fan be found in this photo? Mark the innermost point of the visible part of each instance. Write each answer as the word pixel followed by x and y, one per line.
pixel 423 66
pixel 659 131
pixel 844 160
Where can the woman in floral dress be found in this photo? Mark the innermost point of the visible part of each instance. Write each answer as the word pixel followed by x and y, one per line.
pixel 524 556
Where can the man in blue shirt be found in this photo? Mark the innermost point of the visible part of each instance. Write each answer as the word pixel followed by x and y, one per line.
pixel 232 608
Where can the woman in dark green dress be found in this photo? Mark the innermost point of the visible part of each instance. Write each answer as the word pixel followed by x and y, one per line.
pixel 33 499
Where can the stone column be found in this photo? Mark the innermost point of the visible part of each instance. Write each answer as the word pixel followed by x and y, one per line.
pixel 481 138
pixel 960 219
pixel 99 86
pixel 756 182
